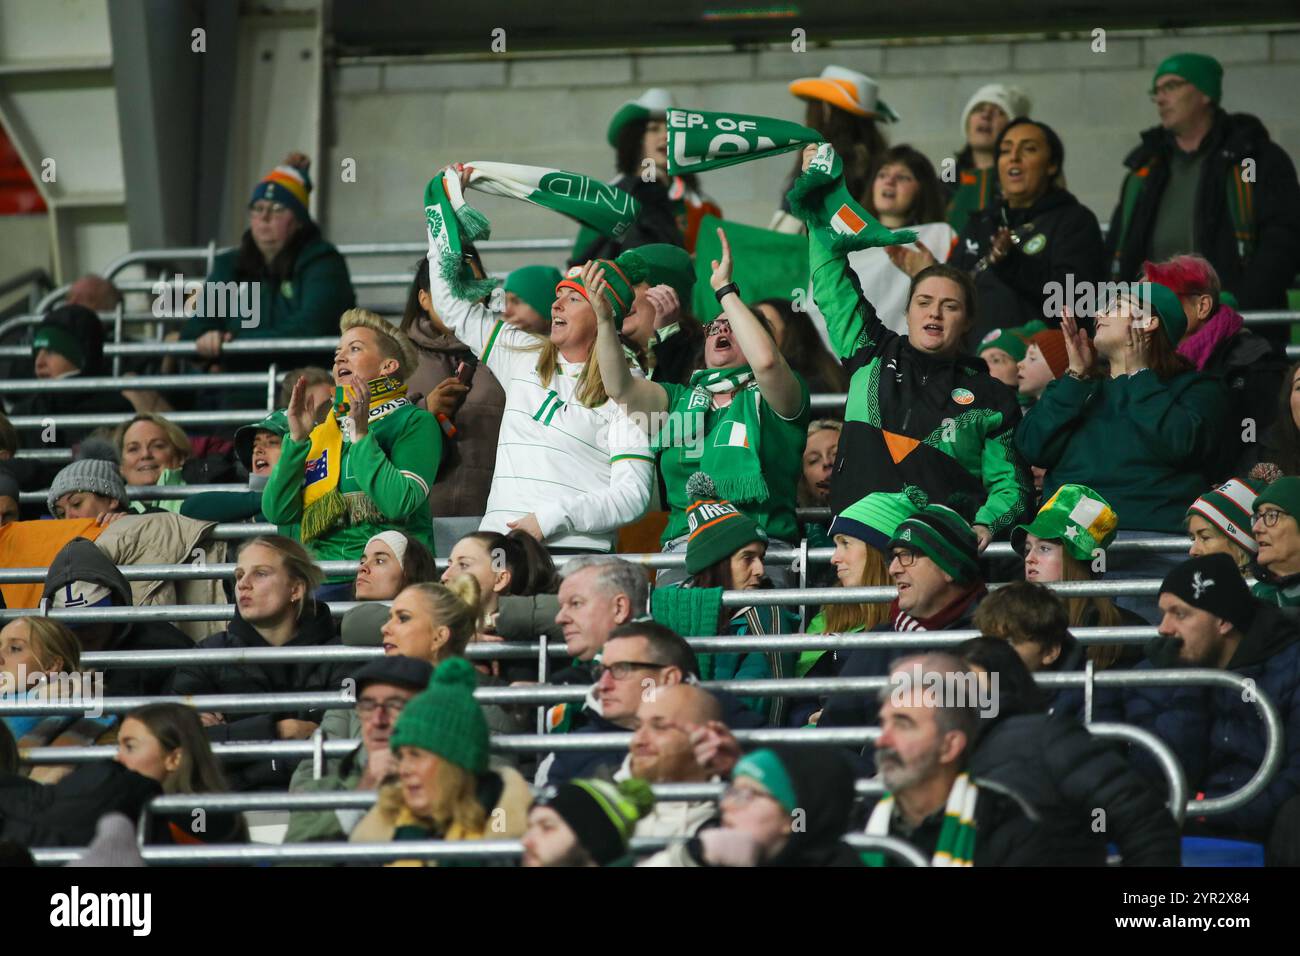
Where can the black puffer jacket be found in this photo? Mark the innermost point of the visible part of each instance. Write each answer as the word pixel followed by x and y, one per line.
pixel 1067 776
pixel 1060 237
pixel 66 813
pixel 316 630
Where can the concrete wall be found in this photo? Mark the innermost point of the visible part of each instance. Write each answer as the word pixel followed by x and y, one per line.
pixel 401 120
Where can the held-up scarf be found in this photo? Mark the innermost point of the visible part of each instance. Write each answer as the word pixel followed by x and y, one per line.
pixel 452 222
pixel 821 200
pixel 323 505
pixel 956 845
pixel 729 453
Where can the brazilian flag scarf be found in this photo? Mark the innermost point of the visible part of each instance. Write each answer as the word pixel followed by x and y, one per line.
pixel 956 845
pixel 700 141
pixel 452 222
pixel 729 453
pixel 323 504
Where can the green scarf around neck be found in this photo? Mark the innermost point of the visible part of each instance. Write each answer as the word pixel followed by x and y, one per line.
pixel 956 843
pixel 729 452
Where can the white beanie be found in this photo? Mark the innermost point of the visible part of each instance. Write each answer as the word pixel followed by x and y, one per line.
pixel 1010 99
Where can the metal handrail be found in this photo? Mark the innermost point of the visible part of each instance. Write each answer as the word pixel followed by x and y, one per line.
pixel 237 347
pixel 100 419
pixel 152 493
pixel 159 383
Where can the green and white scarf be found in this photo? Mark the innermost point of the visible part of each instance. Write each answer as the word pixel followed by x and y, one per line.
pixel 956 846
pixel 729 453
pixel 821 200
pixel 452 222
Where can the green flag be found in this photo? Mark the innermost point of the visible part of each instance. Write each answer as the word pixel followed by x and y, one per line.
pixel 765 264
pixel 699 141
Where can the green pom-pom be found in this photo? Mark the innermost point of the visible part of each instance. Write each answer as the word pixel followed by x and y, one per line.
pixel 700 486
pixel 917 496
pixel 638 792
pixel 634 266
pixel 456 672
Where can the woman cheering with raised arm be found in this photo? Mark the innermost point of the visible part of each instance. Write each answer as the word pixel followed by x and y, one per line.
pixel 742 419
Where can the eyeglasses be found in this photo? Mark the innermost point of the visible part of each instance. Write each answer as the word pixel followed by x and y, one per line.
pixel 904 556
pixel 392 707
pixel 267 208
pixel 744 796
pixel 1169 86
pixel 622 670
pixel 1267 518
pixel 716 327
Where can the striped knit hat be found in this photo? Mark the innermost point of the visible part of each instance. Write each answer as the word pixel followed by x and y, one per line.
pixel 619 283
pixel 876 517
pixel 718 529
pixel 1076 516
pixel 945 537
pixel 289 186
pixel 601 815
pixel 1228 507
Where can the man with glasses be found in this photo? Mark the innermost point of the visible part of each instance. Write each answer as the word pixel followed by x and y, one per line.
pixel 383 687
pixel 1210 182
pixel 639 661
pixel 1277 533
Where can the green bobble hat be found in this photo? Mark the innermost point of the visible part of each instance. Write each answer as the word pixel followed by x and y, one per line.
pixel 1076 516
pixel 875 517
pixel 536 286
pixel 620 284
pixel 718 529
pixel 1014 340
pixel 661 264
pixel 602 815
pixel 944 535
pixel 445 719
pixel 1285 493
pixel 765 767
pixel 277 423
pixel 652 104
pixel 1203 72
pixel 1228 507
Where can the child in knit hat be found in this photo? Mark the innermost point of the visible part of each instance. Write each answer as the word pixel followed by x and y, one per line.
pixel 1043 362
pixel 1003 348
pixel 585 823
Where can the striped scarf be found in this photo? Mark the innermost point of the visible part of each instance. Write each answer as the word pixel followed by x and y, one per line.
pixel 729 453
pixel 956 845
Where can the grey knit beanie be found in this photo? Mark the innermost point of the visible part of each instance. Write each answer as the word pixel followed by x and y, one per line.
pixel 89 474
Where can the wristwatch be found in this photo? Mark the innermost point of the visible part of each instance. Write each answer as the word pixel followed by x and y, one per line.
pixel 727 289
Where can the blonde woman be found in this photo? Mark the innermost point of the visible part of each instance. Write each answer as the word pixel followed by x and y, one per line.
pixel 40 659
pixel 571 469
pixel 152 450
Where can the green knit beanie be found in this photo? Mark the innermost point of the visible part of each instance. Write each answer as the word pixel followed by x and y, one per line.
pixel 602 815
pixel 945 537
pixel 1285 493
pixel 60 340
pixel 1014 340
pixel 1203 72
pixel 445 719
pixel 718 529
pixel 661 264
pixel 536 286
pixel 620 292
pixel 876 517
pixel 765 767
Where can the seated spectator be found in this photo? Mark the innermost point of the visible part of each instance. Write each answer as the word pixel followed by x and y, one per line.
pixel 1033 621
pixel 258 449
pixel 933 561
pixel 904 193
pixel 935 803
pixel 9 498
pixel 664 749
pixel 1045 361
pixel 659 327
pixel 1211 621
pixel 802 346
pixel 152 451
pixel 383 688
pixel 65 814
pixel 1220 521
pixel 986 115
pixel 94 292
pixel 1281 444
pixel 70 342
pixel 571 470
pixel 1067 541
pixel 1037 235
pixel 295 282
pixel 725 552
pixel 355 488
pixel 639 659
pixel 445 789
pixel 434 623
pixel 166 743
pixel 819 453
pixel 320 386
pixel 786 806
pixel 597 594
pixel 529 292
pixel 1187 178
pixel 1003 349
pixel 274 581
pixel 1066 774
pixel 747 410
pixel 1145 435
pixel 1276 530
pixel 585 823
pixel 468 407
pixel 89 488
pixel 391 563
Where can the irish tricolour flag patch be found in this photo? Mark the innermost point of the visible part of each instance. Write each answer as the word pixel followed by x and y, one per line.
pixel 847 222
pixel 733 434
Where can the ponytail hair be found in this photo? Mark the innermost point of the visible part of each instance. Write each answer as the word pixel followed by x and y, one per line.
pixel 531 569
pixel 454 605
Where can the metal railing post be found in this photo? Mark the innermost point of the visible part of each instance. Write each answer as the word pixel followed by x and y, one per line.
pixel 270 388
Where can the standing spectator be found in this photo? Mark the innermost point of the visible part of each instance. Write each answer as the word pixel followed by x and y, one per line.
pixel 257 447
pixel 1217 343
pixel 671 207
pixel 295 280
pixel 844 106
pixel 585 823
pixel 469 407
pixel 368 461
pixel 1277 532
pixel 1146 436
pixel 1220 521
pixel 1210 182
pixel 919 412
pixel 743 418
pixel 570 468
pixel 986 115
pixel 802 345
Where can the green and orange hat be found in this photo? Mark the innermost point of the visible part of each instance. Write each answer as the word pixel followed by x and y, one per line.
pixel 1082 520
pixel 718 529
pixel 620 292
pixel 289 186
